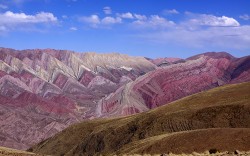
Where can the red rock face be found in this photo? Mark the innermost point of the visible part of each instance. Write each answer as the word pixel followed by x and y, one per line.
pixel 44 91
pixel 86 77
pixel 60 80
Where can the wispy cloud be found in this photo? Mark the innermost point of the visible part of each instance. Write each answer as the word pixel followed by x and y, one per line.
pixel 95 21
pixel 111 20
pixel 245 17
pixel 73 28
pixel 127 15
pixel 172 11
pixel 2 6
pixel 140 17
pixel 153 21
pixel 17 18
pixel 107 10
pixel 2 28
pixel 211 20
pixel 64 16
pixel 197 30
pixel 223 37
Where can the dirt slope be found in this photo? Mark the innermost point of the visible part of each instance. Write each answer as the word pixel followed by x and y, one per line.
pixel 13 152
pixel 220 139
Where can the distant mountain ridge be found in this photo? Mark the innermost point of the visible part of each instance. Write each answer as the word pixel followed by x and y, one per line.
pixel 44 91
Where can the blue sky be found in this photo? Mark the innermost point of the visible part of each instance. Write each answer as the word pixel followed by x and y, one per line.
pixel 151 28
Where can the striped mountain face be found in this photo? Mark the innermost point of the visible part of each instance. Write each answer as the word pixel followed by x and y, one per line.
pixel 44 91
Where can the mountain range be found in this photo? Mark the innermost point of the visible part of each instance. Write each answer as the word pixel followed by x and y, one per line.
pixel 217 120
pixel 44 91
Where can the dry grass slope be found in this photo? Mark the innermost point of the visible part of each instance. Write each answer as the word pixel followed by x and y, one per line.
pixel 13 152
pixel 219 139
pixel 187 125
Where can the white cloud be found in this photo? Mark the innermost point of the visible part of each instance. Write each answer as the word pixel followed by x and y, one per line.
pixel 157 20
pixel 211 20
pixel 127 15
pixel 154 21
pixel 2 28
pixel 10 18
pixel 218 33
pixel 93 20
pixel 107 10
pixel 64 16
pixel 196 30
pixel 213 37
pixel 140 17
pixel 73 28
pixel 245 17
pixel 111 20
pixel 173 11
pixel 3 6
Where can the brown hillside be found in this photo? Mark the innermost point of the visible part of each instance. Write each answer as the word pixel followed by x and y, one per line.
pixel 13 152
pixel 223 107
pixel 220 139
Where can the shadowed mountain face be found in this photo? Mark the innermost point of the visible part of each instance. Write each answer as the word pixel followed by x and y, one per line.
pixel 44 91
pixel 216 119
